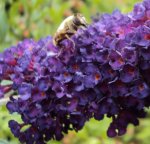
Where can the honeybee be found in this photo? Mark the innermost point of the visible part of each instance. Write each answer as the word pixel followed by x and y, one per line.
pixel 69 27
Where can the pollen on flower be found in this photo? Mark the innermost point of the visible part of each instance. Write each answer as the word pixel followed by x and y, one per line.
pixel 30 48
pixel 131 71
pixel 120 60
pixel 97 76
pixel 75 67
pixel 110 71
pixel 43 94
pixel 66 74
pixel 121 31
pixel 141 87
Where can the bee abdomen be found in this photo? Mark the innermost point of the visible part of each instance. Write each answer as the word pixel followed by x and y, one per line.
pixel 58 38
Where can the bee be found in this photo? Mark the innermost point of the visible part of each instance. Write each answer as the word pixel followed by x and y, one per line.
pixel 69 27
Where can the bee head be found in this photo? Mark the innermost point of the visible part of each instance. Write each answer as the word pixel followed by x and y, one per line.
pixel 80 20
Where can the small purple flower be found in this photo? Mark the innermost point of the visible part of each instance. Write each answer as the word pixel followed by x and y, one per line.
pixel 15 127
pixel 140 89
pixel 25 91
pixel 130 55
pixel 128 73
pixel 138 12
pixel 116 60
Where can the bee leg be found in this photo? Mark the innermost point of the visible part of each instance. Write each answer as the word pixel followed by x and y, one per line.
pixel 70 40
pixel 60 51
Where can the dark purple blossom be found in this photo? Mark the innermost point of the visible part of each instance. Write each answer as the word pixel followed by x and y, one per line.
pixel 105 74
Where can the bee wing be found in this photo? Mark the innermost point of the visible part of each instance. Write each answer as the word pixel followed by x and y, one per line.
pixel 64 23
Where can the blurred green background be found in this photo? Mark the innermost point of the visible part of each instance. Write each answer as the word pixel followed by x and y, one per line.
pixel 20 19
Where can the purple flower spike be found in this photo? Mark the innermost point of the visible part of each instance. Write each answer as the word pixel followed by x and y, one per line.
pixel 106 73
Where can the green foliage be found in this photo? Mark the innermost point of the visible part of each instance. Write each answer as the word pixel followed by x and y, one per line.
pixel 6 136
pixel 20 19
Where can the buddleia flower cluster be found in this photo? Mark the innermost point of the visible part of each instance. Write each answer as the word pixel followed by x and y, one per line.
pixel 105 74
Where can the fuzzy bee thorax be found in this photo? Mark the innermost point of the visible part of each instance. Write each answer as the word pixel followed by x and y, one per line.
pixel 69 27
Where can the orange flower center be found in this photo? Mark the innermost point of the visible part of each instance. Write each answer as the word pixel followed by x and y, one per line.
pixel 141 87
pixel 42 94
pixel 97 76
pixel 75 67
pixel 66 74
